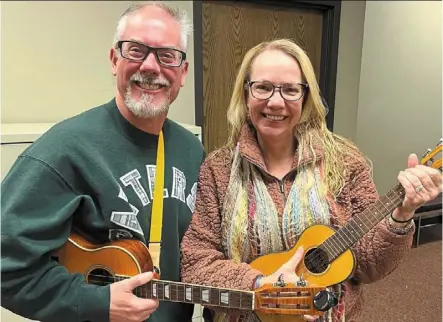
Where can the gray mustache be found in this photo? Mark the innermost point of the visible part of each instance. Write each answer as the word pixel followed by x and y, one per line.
pixel 146 79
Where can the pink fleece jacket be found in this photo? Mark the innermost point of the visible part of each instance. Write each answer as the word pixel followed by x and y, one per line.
pixel 204 260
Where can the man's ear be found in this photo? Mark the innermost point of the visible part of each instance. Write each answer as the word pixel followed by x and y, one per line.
pixel 113 56
pixel 185 72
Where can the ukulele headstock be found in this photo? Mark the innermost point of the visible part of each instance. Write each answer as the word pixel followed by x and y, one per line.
pixel 430 160
pixel 287 300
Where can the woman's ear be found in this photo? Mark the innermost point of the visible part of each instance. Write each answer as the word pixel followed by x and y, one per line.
pixel 248 114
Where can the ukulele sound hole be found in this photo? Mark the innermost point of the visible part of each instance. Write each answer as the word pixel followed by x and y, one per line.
pixel 316 260
pixel 100 276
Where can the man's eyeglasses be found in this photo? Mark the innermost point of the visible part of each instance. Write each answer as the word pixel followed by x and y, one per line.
pixel 138 52
pixel 263 90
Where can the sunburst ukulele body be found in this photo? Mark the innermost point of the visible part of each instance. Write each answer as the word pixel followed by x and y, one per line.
pixel 104 262
pixel 325 274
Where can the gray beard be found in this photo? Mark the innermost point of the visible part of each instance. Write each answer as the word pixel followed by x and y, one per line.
pixel 144 107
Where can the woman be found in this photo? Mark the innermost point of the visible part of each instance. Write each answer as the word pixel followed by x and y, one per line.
pixel 282 171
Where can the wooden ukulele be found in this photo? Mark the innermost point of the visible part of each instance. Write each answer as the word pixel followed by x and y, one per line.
pixel 116 261
pixel 328 259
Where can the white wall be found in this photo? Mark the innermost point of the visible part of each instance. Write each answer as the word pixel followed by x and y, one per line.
pixel 400 98
pixel 349 67
pixel 55 60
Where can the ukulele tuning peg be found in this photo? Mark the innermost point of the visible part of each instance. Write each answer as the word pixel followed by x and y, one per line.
pixel 427 152
pixel 280 282
pixel 301 282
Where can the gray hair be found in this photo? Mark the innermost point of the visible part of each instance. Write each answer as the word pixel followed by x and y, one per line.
pixel 175 12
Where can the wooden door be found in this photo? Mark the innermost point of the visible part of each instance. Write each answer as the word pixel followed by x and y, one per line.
pixel 229 30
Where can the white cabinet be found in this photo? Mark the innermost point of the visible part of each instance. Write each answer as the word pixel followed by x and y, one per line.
pixel 15 138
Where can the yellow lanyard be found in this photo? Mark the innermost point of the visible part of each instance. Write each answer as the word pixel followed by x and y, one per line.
pixel 157 204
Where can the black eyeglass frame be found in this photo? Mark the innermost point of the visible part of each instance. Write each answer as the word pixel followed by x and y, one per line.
pixel 150 49
pixel 249 84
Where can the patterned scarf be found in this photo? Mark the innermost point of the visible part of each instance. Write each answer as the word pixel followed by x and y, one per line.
pixel 250 224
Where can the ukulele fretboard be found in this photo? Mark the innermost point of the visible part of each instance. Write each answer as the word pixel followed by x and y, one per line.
pixel 189 293
pixel 354 229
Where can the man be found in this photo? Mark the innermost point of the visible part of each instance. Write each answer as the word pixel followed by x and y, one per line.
pixel 94 173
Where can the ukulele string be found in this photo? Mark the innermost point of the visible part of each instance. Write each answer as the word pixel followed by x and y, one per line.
pixel 122 277
pixel 315 259
pixel 115 278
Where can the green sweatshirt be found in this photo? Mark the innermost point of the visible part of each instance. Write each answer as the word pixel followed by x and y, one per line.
pixel 93 173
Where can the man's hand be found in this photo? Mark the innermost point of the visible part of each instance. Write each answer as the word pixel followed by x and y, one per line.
pixel 125 306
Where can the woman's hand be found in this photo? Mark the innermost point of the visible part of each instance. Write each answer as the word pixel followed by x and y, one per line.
pixel 286 273
pixel 310 318
pixel 421 184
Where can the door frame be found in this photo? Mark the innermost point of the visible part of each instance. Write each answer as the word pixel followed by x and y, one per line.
pixel 329 53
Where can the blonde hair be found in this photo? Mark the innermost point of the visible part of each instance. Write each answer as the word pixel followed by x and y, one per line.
pixel 312 123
